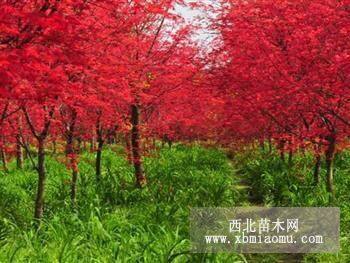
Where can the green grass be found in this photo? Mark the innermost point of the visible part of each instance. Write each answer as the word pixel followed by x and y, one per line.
pixel 114 221
pixel 276 183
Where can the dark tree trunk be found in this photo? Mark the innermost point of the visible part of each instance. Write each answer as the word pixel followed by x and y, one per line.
pixel 270 145
pixel 19 152
pixel 70 152
pixel 283 156
pixel 26 151
pixel 73 191
pixel 84 145
pixel 39 202
pixel 262 144
pixel 282 150
pixel 100 143
pixel 4 159
pixel 330 154
pixel 167 140
pixel 128 147
pixel 290 157
pixel 54 147
pixel 19 143
pixel 92 144
pixel 136 148
pixel 317 169
pixel 79 145
pixel 98 161
pixel 41 137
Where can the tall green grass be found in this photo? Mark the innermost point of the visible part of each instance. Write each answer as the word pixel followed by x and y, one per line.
pixel 277 183
pixel 114 221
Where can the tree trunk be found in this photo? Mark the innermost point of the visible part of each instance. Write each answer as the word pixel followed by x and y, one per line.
pixel 270 145
pixel 128 147
pixel 26 151
pixel 290 158
pixel 100 143
pixel 19 152
pixel 54 147
pixel 79 145
pixel 70 152
pixel 330 153
pixel 4 159
pixel 282 150
pixel 73 191
pixel 262 144
pixel 317 169
pixel 282 154
pixel 303 151
pixel 84 145
pixel 136 148
pixel 40 167
pixel 39 202
pixel 92 144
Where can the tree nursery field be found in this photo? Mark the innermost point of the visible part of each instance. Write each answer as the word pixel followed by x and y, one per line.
pixel 117 117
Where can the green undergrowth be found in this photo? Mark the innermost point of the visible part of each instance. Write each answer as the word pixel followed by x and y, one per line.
pixel 279 183
pixel 114 221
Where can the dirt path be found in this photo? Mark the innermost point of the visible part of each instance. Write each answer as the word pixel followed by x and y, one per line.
pixel 249 198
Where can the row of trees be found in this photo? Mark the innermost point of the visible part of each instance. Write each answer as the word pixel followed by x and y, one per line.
pixel 286 75
pixel 72 71
pixel 78 71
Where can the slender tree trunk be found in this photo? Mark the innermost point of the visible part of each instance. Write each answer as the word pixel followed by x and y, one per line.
pixel 128 147
pixel 40 167
pixel 75 176
pixel 19 152
pixel 262 144
pixel 283 156
pixel 26 151
pixel 92 144
pixel 100 143
pixel 70 152
pixel 73 191
pixel 290 157
pixel 136 148
pixel 330 153
pixel 98 161
pixel 84 145
pixel 79 145
pixel 317 169
pixel 19 143
pixel 282 150
pixel 270 145
pixel 4 159
pixel 39 202
pixel 54 147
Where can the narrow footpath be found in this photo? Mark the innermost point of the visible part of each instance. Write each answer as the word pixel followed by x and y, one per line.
pixel 249 198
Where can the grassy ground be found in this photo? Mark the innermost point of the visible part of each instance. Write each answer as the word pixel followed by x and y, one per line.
pixel 115 222
pixel 276 183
